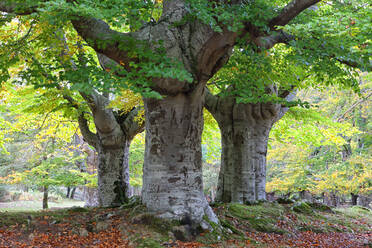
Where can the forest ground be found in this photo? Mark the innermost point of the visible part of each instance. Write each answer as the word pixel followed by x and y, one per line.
pixel 263 225
pixel 36 205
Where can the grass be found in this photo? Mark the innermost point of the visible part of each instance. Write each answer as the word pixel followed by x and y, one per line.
pixel 18 206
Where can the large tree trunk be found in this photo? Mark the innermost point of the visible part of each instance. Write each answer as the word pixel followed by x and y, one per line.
pixel 112 140
pixel 245 131
pixel 243 164
pixel 172 172
pixel 113 174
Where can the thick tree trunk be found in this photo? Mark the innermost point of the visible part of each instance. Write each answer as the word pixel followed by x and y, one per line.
pixel 172 172
pixel 243 164
pixel 45 197
pixel 244 132
pixel 112 140
pixel 90 197
pixel 113 174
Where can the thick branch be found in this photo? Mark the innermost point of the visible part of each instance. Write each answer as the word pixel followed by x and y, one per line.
pixel 290 11
pixel 130 125
pixel 95 32
pixel 16 8
pixel 211 103
pixel 89 136
pixel 103 39
pixel 267 42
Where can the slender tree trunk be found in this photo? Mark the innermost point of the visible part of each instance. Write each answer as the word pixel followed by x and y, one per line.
pixel 45 197
pixel 113 174
pixel 334 200
pixel 68 192
pixel 72 193
pixel 172 172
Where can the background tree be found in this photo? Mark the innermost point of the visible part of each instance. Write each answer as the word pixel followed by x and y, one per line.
pixel 254 89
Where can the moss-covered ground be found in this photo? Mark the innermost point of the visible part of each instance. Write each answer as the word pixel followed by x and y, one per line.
pixel 262 225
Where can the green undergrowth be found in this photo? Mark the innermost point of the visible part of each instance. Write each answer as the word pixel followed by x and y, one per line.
pixel 236 222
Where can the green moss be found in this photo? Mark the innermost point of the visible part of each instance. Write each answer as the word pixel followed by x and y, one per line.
pixel 320 207
pixel 157 224
pixel 302 207
pixel 225 223
pixel 259 217
pixel 147 243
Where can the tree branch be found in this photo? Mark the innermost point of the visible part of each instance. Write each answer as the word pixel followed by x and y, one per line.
pixel 352 107
pixel 16 8
pixel 267 42
pixel 95 32
pixel 103 39
pixel 89 136
pixel 131 126
pixel 289 12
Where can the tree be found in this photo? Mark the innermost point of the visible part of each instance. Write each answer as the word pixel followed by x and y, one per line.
pixel 256 88
pixel 182 45
pixel 114 129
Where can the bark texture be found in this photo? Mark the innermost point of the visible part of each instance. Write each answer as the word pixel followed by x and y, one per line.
pixel 45 197
pixel 172 173
pixel 244 132
pixel 111 141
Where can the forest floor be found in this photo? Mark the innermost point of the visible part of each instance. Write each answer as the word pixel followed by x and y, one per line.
pixel 263 225
pixel 36 205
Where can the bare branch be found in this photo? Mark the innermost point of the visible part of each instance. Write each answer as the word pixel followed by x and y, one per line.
pixel 88 135
pixel 352 107
pixel 289 12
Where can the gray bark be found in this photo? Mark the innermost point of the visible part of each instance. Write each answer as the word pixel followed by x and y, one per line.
pixel 365 201
pixel 45 197
pixel 244 135
pixel 111 142
pixel 90 193
pixel 112 184
pixel 172 172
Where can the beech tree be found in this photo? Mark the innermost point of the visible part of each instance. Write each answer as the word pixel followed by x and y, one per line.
pixel 114 131
pixel 168 51
pixel 255 89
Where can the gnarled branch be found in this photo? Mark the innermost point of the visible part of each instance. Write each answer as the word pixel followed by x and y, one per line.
pixel 289 12
pixel 130 125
